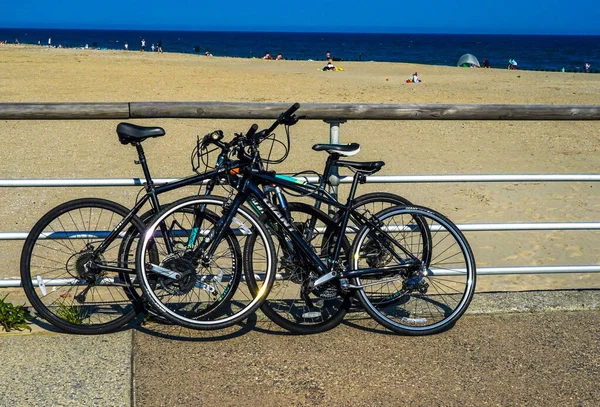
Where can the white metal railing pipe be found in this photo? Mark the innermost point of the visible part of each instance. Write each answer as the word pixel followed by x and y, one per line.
pixel 472 227
pixel 118 182
pixel 481 271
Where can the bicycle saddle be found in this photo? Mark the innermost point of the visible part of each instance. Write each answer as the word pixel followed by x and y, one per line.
pixel 341 149
pixel 131 133
pixel 367 167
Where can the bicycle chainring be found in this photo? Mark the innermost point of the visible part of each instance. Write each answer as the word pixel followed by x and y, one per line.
pixel 178 262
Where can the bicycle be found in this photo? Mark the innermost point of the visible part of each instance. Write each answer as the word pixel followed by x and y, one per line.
pixel 383 255
pixel 294 314
pixel 77 261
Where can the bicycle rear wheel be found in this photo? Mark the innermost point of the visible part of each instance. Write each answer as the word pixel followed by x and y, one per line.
pixel 291 304
pixel 369 205
pixel 429 296
pixel 58 272
pixel 209 294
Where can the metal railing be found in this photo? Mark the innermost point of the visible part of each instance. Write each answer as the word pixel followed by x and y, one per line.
pixel 335 115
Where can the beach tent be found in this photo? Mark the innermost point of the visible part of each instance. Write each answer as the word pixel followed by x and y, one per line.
pixel 467 60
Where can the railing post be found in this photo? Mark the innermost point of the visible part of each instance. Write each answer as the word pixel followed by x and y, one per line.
pixel 334 130
pixel 334 138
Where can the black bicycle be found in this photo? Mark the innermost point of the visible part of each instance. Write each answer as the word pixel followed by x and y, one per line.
pixel 410 267
pixel 77 263
pixel 311 223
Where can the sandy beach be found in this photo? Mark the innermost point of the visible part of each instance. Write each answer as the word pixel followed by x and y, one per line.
pixel 90 149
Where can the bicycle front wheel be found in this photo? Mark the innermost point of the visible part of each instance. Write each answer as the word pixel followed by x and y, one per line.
pixel 208 294
pixel 61 268
pixel 430 292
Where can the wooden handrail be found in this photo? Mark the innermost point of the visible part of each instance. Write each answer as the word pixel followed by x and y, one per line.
pixel 312 111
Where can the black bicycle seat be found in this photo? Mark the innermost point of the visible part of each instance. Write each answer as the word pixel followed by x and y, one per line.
pixel 130 133
pixel 367 167
pixel 341 149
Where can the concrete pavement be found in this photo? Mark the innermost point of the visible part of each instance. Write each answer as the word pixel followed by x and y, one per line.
pixel 531 348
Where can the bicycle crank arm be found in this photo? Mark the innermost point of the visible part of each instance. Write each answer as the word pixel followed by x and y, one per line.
pixel 165 272
pixel 325 278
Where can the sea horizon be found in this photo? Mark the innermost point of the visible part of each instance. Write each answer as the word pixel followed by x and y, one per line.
pixel 532 51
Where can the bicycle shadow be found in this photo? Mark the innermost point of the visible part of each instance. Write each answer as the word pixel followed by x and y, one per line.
pixel 161 328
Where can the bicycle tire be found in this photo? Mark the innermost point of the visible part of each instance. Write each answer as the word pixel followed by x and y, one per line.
pixel 432 297
pixel 56 249
pixel 286 306
pixel 189 306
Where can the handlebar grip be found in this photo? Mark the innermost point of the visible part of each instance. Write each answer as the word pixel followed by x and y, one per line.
pixel 252 130
pixel 290 111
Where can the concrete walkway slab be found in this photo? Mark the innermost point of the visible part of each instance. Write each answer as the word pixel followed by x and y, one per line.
pixel 537 348
pixel 528 348
pixel 525 359
pixel 50 369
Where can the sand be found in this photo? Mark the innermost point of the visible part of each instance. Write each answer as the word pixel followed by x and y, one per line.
pixel 90 149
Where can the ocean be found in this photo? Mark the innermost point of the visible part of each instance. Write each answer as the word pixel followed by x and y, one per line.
pixel 532 52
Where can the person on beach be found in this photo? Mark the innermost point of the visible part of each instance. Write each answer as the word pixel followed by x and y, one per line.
pixel 267 56
pixel 486 63
pixel 279 57
pixel 50 41
pixel 159 46
pixel 143 46
pixel 328 55
pixel 152 47
pixel 414 78
pixel 329 66
pixel 208 54
pixel 126 47
pixel 586 67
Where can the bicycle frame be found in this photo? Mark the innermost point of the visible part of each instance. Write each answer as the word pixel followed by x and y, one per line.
pixel 151 195
pixel 248 186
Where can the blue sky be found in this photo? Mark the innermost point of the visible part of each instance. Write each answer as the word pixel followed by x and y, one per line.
pixel 430 16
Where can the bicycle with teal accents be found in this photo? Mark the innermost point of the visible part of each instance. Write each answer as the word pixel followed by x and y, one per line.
pixel 311 222
pixel 408 285
pixel 292 312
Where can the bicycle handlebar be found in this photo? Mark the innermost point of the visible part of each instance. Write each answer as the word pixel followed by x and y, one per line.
pixel 286 118
pixel 251 138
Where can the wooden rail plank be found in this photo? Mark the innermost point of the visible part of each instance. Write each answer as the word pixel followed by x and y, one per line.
pixel 326 111
pixel 314 111
pixel 63 111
